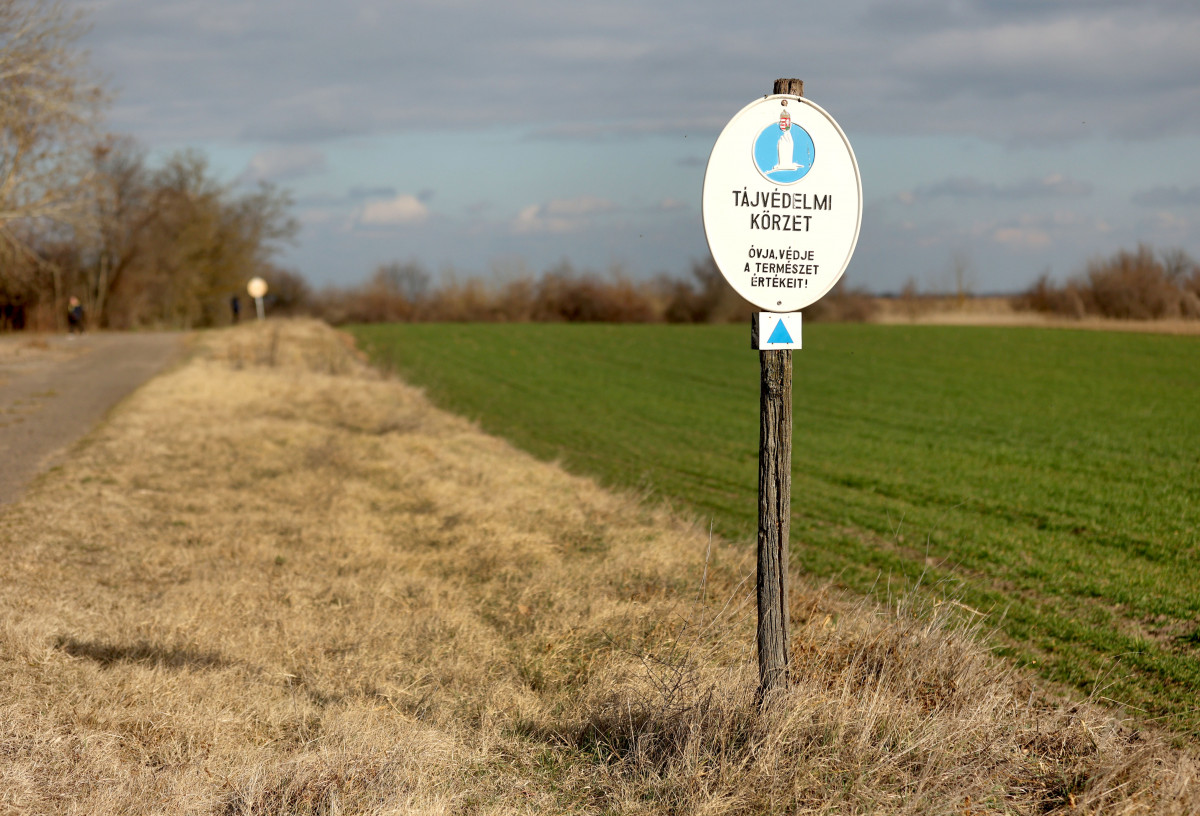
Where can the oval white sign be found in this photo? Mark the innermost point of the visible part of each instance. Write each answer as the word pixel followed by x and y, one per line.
pixel 257 287
pixel 782 203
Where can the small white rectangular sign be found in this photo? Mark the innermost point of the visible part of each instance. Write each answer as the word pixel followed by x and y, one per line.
pixel 778 331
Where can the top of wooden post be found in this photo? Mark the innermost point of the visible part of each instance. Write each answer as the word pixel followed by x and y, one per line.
pixel 792 87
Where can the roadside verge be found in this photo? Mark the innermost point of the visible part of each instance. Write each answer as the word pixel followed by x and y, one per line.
pixel 276 581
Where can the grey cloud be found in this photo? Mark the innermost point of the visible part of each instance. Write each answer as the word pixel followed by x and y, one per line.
pixel 623 129
pixel 353 196
pixel 1011 70
pixel 1020 71
pixel 1172 196
pixel 358 195
pixel 283 163
pixel 959 187
pixel 669 205
pixel 924 15
pixel 362 193
pixel 1055 185
pixel 320 200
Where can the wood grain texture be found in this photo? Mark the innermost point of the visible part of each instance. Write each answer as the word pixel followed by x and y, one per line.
pixel 774 500
pixel 793 87
pixel 774 517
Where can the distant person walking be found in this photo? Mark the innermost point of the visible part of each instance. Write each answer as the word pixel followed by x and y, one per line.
pixel 235 307
pixel 74 316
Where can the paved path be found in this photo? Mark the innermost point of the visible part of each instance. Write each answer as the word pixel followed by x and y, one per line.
pixel 54 389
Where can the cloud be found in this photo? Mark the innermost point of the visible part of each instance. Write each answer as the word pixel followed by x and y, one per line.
pixel 364 193
pixel 1055 185
pixel 1167 225
pixel 1027 238
pixel 579 207
pixel 533 219
pixel 1033 232
pixel 392 212
pixel 320 199
pixel 380 88
pixel 284 163
pixel 624 127
pixel 561 215
pixel 1123 46
pixel 1008 71
pixel 1172 196
pixel 1043 70
pixel 315 216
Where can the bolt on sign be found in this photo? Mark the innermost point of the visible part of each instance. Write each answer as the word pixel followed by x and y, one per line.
pixel 782 203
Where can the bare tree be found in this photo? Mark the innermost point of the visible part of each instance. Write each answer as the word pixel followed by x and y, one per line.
pixel 964 278
pixel 409 280
pixel 122 214
pixel 181 242
pixel 141 246
pixel 48 108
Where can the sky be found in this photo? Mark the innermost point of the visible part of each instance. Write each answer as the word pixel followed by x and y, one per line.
pixel 1004 138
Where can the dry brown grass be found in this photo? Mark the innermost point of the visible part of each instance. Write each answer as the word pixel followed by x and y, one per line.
pixel 276 582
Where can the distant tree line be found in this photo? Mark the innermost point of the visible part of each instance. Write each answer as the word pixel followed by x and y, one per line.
pixel 1138 285
pixel 84 214
pixel 402 292
pixel 1133 285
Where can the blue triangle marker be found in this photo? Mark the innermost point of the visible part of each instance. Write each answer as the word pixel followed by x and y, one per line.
pixel 780 334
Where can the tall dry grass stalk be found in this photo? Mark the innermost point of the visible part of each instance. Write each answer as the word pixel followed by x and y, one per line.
pixel 278 583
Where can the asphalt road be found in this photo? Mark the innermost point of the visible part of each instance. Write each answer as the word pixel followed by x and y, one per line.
pixel 54 389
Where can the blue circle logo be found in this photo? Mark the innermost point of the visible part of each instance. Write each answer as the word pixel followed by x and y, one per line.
pixel 783 152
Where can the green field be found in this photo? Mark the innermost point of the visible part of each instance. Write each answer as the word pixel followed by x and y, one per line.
pixel 1048 478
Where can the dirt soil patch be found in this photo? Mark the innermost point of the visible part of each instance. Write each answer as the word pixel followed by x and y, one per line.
pixel 276 582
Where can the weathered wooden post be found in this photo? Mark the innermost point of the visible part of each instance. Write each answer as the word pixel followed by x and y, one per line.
pixel 782 206
pixel 774 516
pixel 774 497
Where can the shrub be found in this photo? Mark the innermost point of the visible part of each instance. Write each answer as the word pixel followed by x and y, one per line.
pixel 1137 285
pixel 561 295
pixel 843 305
pixel 706 298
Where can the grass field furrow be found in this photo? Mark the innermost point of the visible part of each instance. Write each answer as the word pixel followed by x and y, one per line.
pixel 1050 478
